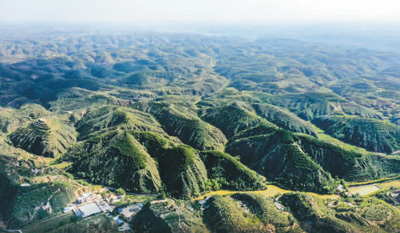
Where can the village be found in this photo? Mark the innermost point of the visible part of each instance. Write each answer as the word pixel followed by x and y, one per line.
pixel 90 204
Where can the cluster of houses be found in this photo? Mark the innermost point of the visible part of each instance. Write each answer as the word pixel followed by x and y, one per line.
pixel 89 204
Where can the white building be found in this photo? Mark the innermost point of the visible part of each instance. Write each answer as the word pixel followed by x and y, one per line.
pixel 279 206
pixel 87 210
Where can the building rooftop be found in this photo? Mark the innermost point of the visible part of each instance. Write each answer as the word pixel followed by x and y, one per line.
pixel 88 210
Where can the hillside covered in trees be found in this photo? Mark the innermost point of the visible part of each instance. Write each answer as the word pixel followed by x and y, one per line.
pixel 182 115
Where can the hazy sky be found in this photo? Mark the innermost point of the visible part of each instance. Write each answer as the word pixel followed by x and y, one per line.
pixel 186 11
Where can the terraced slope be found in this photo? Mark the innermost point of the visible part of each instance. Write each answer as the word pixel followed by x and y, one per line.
pixel 226 172
pixel 166 217
pixel 277 156
pixel 231 119
pixel 180 169
pixel 48 137
pixel 225 215
pixel 179 116
pixel 45 192
pixel 284 119
pixel 307 105
pixel 266 210
pixel 268 150
pixel 371 134
pixel 108 118
pixel 188 127
pixel 115 158
pixel 290 212
pixel 11 119
pixel 38 201
pixel 318 217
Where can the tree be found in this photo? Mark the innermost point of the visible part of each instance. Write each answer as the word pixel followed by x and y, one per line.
pixel 120 191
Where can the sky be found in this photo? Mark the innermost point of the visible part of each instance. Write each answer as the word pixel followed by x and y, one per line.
pixel 187 11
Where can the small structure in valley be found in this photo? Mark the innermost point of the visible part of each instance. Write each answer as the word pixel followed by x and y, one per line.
pixel 279 206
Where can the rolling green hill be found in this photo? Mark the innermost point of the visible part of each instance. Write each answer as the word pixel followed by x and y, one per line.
pixel 103 119
pixel 278 157
pixel 115 158
pixel 166 217
pixel 11 119
pixel 284 119
pixel 188 127
pixel 231 119
pixel 48 137
pixel 371 134
pixel 175 116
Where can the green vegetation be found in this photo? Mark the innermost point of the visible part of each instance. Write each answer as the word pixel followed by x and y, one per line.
pixel 48 137
pixel 231 119
pixel 284 119
pixel 313 212
pixel 178 167
pixel 99 120
pixel 188 127
pixel 179 116
pixel 95 224
pixel 127 146
pixel 115 158
pixel 39 201
pixel 263 152
pixel 147 220
pixel 307 105
pixel 225 172
pixel 265 209
pixel 291 212
pixel 225 215
pixel 120 191
pixel 11 119
pixel 182 171
pixel 371 134
pixel 48 226
pixel 168 216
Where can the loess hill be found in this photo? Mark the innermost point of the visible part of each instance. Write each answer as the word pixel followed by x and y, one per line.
pixel 182 115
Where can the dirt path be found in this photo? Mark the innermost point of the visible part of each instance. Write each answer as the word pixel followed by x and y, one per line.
pixel 2 224
pixel 12 230
pixel 271 191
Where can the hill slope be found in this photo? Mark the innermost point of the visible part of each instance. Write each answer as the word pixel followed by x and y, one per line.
pixel 115 158
pixel 371 134
pixel 49 137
